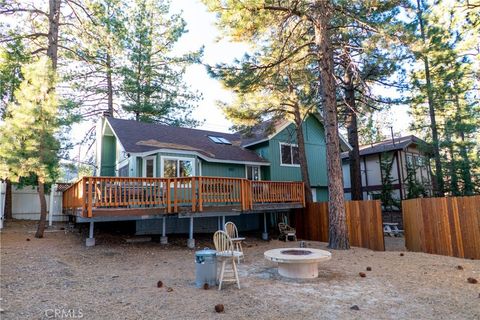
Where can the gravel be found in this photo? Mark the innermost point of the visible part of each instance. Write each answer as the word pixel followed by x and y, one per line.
pixel 118 280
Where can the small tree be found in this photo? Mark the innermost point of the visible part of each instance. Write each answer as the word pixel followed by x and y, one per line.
pixel 414 188
pixel 28 142
pixel 386 164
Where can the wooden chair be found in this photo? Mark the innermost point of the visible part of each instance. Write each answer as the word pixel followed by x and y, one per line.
pixel 232 231
pixel 227 254
pixel 287 231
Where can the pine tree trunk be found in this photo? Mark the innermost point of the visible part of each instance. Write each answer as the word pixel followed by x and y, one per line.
pixel 465 165
pixel 53 25
pixel 352 132
pixel 109 85
pixel 454 190
pixel 338 232
pixel 8 200
pixel 431 110
pixel 43 210
pixel 302 156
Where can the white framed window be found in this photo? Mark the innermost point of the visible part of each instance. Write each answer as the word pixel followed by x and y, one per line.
pixel 253 173
pixel 173 167
pixel 289 155
pixel 149 166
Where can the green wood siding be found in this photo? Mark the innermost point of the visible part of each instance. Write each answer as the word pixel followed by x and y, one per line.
pixel 211 169
pixel 108 156
pixel 315 149
pixel 322 194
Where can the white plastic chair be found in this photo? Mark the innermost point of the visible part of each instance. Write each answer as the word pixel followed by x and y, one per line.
pixel 232 231
pixel 226 253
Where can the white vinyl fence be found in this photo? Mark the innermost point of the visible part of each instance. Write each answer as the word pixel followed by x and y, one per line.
pixel 26 204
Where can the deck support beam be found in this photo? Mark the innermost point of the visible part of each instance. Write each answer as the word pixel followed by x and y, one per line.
pixel 164 238
pixel 265 233
pixel 191 241
pixel 90 241
pixel 223 223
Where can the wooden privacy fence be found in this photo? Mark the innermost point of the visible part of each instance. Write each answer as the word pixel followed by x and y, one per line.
pixel 446 226
pixel 364 221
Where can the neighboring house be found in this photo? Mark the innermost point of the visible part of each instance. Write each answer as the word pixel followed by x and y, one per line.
pixel 405 152
pixel 129 148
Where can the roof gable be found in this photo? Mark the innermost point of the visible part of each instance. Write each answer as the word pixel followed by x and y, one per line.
pixel 400 143
pixel 269 129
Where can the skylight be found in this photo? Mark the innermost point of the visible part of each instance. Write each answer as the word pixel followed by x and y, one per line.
pixel 219 140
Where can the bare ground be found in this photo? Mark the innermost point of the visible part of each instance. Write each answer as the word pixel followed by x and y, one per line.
pixel 116 280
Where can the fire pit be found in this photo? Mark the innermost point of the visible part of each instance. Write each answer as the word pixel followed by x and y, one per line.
pixel 297 263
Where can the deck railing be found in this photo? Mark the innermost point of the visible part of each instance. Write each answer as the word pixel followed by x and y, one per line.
pixel 193 194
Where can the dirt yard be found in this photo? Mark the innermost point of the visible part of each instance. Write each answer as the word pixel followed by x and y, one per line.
pixel 118 280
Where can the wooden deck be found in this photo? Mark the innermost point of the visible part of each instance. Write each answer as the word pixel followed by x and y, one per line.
pixel 92 197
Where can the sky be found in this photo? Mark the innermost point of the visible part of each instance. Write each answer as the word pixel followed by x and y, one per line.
pixel 202 31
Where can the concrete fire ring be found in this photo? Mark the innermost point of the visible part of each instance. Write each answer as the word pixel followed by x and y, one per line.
pixel 298 263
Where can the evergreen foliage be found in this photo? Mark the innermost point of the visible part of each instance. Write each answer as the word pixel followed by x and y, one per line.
pixel 153 85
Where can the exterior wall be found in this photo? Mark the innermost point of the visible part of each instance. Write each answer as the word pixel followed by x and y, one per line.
pixel 321 194
pixel 210 169
pixel 202 167
pixel 315 149
pixel 372 176
pixel 422 167
pixel 108 156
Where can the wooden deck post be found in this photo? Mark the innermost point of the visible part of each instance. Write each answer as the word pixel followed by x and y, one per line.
pixel 193 193
pixel 169 207
pixel 175 196
pixel 89 197
pixel 200 194
pixel 83 197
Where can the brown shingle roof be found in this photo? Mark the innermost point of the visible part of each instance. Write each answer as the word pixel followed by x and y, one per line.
pixel 139 137
pixel 389 145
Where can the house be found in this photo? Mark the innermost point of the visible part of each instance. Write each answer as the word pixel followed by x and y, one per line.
pixel 162 174
pixel 404 155
pixel 129 148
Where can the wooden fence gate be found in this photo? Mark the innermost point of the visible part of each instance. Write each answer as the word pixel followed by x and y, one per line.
pixel 364 220
pixel 446 226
